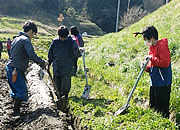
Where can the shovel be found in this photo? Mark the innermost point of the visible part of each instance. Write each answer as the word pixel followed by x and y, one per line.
pixel 126 106
pixel 54 85
pixel 56 95
pixel 87 87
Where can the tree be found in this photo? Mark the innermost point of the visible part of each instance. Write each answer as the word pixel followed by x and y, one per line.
pixel 131 16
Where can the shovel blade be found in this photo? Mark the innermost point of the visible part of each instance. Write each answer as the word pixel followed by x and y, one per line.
pixel 121 110
pixel 86 91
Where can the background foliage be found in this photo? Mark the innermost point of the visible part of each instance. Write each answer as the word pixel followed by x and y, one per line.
pixel 112 84
pixel 102 13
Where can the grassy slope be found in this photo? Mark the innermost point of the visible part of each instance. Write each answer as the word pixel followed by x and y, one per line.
pixel 10 27
pixel 108 82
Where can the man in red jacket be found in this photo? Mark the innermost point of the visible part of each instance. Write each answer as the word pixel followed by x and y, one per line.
pixel 159 68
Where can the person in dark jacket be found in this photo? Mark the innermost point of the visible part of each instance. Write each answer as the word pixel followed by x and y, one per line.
pixel 78 38
pixel 159 68
pixel 1 48
pixel 62 52
pixel 21 52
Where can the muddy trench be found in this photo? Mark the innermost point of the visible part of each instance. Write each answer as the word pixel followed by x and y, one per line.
pixel 40 111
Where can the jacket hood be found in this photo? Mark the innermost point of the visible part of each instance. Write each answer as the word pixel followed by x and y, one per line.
pixel 22 33
pixel 163 41
pixel 68 37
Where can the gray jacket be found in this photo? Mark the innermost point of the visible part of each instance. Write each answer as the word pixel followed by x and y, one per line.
pixel 21 52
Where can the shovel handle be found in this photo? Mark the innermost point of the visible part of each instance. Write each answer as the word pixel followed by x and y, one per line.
pixel 139 76
pixel 54 84
pixel 83 56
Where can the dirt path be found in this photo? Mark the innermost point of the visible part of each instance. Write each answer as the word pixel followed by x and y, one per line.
pixel 38 113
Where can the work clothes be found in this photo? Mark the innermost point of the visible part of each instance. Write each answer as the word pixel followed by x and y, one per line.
pixel 9 47
pixel 80 43
pixel 19 88
pixel 62 55
pixel 79 40
pixel 21 52
pixel 159 67
pixel 17 105
pixel 63 84
pixel 159 99
pixel 74 67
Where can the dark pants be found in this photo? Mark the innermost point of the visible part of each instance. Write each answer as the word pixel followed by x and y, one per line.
pixel 63 84
pixel 159 99
pixel 75 66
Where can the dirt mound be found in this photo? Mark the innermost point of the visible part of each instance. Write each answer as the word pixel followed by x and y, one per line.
pixel 39 112
pixel 2 68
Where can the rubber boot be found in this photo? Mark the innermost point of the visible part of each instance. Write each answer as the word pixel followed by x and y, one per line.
pixel 17 105
pixel 62 103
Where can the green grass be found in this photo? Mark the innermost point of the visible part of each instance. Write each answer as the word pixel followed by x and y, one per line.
pixel 111 85
pixel 10 27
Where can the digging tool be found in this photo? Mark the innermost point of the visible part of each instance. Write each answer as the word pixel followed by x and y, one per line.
pixel 61 100
pixel 56 95
pixel 58 101
pixel 87 87
pixel 126 106
pixel 54 85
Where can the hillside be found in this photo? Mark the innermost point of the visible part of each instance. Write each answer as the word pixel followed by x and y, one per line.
pixel 111 85
pixel 47 12
pixel 97 16
pixel 10 25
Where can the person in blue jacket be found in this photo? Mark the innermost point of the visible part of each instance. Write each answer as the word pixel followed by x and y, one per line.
pixel 21 52
pixel 62 52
